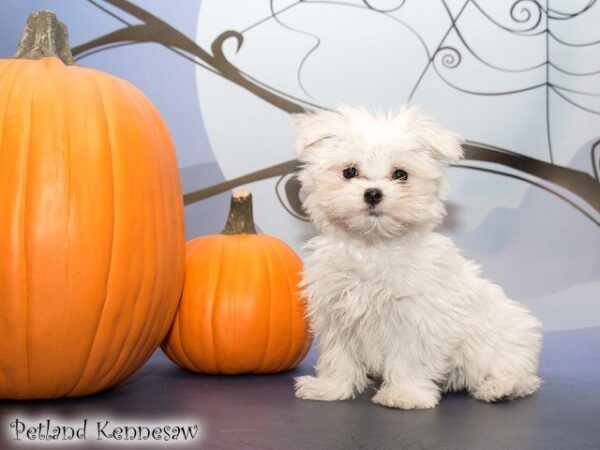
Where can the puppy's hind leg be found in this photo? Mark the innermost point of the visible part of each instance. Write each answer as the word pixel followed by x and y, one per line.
pixel 510 374
pixel 504 355
pixel 339 375
pixel 495 389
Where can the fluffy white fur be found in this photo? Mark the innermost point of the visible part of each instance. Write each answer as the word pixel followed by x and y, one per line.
pixel 388 298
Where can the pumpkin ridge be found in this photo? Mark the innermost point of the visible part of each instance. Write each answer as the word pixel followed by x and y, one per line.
pixel 112 239
pixel 214 298
pixel 234 334
pixel 169 209
pixel 269 328
pixel 153 252
pixel 60 383
pixel 232 307
pixel 134 343
pixel 301 353
pixel 107 297
pixel 171 348
pixel 109 377
pixel 305 348
pixel 60 127
pixel 22 189
pixel 140 349
pixel 172 209
pixel 25 250
pixel 289 352
pixel 192 247
pixel 183 354
pixel 214 284
pixel 141 346
pixel 172 343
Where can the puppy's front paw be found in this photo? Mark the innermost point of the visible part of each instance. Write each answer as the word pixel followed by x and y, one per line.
pixel 324 389
pixel 403 397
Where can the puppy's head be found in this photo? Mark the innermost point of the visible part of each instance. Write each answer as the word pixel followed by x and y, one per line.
pixel 374 175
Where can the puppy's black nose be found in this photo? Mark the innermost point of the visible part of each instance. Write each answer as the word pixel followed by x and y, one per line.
pixel 373 196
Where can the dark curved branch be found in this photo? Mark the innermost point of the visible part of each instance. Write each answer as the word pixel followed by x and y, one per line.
pixel 595 160
pixel 263 174
pixel 292 194
pixel 152 29
pixel 533 183
pixel 579 183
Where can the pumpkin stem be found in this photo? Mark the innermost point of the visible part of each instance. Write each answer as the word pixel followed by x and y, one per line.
pixel 240 219
pixel 44 36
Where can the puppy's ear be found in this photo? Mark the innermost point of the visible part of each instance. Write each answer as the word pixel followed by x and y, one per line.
pixel 311 129
pixel 441 143
pixel 444 145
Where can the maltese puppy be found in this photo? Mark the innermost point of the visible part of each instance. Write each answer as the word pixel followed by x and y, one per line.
pixel 388 298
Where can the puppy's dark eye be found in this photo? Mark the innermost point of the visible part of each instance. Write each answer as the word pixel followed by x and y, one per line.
pixel 350 172
pixel 400 175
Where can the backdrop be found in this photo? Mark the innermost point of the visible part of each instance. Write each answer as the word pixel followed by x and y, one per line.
pixel 519 79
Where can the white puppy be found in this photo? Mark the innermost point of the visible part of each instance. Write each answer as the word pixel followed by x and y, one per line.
pixel 388 297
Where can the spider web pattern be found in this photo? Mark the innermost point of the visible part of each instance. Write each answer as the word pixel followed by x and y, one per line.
pixel 529 18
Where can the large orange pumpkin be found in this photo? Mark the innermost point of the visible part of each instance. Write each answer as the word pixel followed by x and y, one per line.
pixel 91 223
pixel 241 310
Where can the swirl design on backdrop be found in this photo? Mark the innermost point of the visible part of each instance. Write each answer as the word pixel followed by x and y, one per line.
pixel 527 19
pixel 450 57
pixel 526 12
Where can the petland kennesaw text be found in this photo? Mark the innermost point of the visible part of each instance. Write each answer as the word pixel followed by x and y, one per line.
pixel 99 430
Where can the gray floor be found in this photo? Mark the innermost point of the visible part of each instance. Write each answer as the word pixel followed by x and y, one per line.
pixel 260 412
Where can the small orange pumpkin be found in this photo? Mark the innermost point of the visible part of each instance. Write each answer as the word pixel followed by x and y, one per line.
pixel 241 310
pixel 91 223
